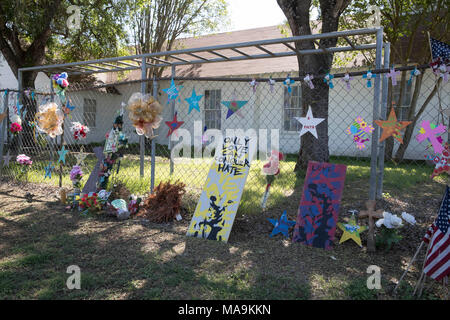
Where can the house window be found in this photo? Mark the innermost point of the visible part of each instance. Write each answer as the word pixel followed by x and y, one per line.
pixel 212 109
pixel 402 108
pixel 292 108
pixel 89 112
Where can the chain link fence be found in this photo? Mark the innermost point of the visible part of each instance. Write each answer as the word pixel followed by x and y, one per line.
pixel 267 115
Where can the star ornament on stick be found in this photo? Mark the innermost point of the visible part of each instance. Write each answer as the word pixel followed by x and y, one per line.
pixel 173 125
pixel 80 157
pixel 281 225
pixel 48 170
pixel 309 123
pixel 193 101
pixel 351 231
pixel 392 127
pixel 62 155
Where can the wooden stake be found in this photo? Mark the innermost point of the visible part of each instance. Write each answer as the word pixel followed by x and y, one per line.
pixel 371 214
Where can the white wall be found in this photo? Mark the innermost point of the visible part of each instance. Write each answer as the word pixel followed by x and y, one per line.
pixel 264 110
pixel 7 78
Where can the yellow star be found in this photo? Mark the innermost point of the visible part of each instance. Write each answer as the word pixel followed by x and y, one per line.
pixel 351 231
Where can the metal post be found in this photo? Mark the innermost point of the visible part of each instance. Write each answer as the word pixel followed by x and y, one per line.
pixel 19 101
pixel 384 102
pixel 376 115
pixel 142 138
pixel 152 173
pixel 3 128
pixel 172 112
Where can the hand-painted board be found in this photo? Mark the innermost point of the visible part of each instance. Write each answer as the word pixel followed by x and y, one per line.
pixel 319 206
pixel 219 200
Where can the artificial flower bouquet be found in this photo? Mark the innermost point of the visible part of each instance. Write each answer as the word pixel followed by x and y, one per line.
pixel 89 203
pixel 76 174
pixel 390 224
pixel 15 128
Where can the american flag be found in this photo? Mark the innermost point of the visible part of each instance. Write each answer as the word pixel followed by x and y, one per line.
pixel 437 261
pixel 440 49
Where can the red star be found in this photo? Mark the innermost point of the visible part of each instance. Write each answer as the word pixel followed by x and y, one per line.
pixel 173 125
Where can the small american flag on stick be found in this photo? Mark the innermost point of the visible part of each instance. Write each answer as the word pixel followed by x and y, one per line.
pixel 437 261
pixel 439 49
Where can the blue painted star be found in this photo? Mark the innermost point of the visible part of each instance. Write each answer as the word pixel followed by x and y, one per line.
pixel 193 101
pixel 62 155
pixel 172 91
pixel 282 225
pixel 48 170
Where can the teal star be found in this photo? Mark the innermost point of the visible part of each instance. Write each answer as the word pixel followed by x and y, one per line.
pixel 233 106
pixel 48 170
pixel 282 225
pixel 62 155
pixel 193 101
pixel 172 91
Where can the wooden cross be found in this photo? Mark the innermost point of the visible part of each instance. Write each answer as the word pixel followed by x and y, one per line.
pixel 91 184
pixel 371 214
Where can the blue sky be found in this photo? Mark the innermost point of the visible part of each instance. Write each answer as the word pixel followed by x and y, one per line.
pixel 248 14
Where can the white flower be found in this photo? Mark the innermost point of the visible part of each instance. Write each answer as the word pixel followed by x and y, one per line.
pixel 390 221
pixel 409 218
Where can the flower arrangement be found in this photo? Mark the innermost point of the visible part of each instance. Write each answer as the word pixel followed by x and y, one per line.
pixel 76 174
pixel 390 224
pixel 89 202
pixel 79 131
pixel 50 119
pixel 15 128
pixel 24 160
pixel 144 113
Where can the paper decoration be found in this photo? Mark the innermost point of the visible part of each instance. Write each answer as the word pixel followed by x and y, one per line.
pixel 50 119
pixel 219 200
pixel 288 82
pixel 443 164
pixel 369 76
pixel 270 170
pixel 80 157
pixel 308 79
pixel 145 113
pixel 48 170
pixel 172 92
pixel 442 72
pixel 393 75
pixel 319 207
pixel 360 130
pixel 68 108
pixel 413 73
pixel 271 84
pixel 430 132
pixel 392 127
pixel 62 155
pixel 193 101
pixel 6 159
pixel 91 183
pixel 328 79
pixel 281 225
pixel 173 125
pixel 371 214
pixel 309 123
pixel 346 79
pixel 234 106
pixel 254 84
pixel 351 231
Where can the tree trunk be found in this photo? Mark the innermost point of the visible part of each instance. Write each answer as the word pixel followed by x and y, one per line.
pixel 297 14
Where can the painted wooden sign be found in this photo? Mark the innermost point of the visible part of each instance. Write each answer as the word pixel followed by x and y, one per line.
pixel 219 201
pixel 319 206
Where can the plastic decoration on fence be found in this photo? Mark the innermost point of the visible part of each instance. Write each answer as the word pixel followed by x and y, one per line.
pixel 266 107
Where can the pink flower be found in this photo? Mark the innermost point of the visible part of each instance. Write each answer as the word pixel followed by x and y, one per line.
pixel 15 128
pixel 24 160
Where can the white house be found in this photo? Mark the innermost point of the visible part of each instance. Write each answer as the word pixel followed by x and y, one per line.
pixel 264 110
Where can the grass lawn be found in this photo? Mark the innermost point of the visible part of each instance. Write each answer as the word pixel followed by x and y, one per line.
pixel 137 260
